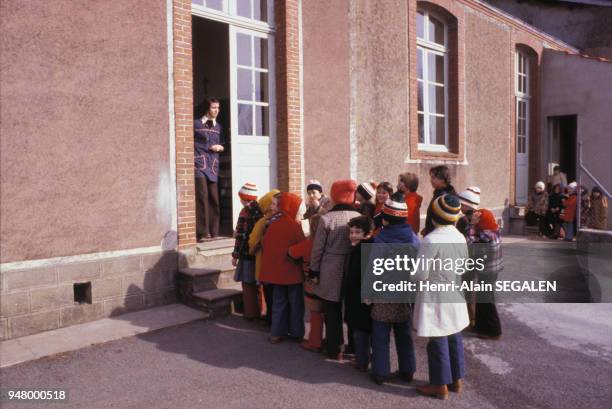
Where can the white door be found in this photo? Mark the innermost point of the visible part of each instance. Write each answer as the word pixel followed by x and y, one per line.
pixel 522 151
pixel 253 111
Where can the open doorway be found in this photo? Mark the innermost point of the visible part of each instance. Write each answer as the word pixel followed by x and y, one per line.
pixel 211 78
pixel 562 143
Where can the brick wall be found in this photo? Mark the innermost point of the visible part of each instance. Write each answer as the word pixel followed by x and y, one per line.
pixel 289 144
pixel 183 116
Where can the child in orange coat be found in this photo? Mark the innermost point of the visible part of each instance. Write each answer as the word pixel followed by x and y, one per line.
pixel 284 230
pixel 408 183
pixel 314 304
pixel 568 214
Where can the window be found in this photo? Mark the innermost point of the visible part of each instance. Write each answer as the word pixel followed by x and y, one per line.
pixel 249 9
pixel 432 80
pixel 522 102
pixel 252 82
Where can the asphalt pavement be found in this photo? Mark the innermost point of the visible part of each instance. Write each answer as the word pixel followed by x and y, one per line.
pixel 552 356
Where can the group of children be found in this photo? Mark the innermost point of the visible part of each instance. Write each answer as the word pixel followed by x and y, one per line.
pixel 554 210
pixel 321 271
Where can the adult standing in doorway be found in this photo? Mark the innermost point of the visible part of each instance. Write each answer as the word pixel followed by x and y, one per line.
pixel 557 178
pixel 207 146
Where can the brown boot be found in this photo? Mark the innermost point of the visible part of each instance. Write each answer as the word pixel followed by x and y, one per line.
pixel 435 391
pixel 456 386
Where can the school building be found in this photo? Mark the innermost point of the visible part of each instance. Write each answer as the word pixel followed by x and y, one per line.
pixel 97 109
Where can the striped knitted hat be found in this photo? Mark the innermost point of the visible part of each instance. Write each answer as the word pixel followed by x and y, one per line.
pixel 395 209
pixel 444 210
pixel 314 184
pixel 248 191
pixel 470 197
pixel 366 190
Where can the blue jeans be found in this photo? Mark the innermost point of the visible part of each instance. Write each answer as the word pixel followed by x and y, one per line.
pixel 445 358
pixel 569 230
pixel 288 311
pixel 362 344
pixel 381 365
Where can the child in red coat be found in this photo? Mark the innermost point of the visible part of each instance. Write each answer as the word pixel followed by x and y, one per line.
pixel 284 231
pixel 314 304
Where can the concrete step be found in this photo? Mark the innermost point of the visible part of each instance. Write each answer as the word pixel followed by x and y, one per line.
pixel 213 253
pixel 207 277
pixel 220 301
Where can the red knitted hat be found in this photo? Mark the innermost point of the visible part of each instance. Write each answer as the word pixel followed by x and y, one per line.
pixel 343 191
pixel 487 220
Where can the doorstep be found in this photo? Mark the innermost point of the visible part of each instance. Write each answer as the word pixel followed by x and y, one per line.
pixel 31 347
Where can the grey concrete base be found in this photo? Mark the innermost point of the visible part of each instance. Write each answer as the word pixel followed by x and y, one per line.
pixel 45 298
pixel 28 348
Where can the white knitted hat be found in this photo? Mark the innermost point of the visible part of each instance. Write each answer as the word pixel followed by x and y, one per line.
pixel 248 191
pixel 470 197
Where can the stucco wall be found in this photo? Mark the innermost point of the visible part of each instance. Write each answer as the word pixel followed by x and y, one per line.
pixel 326 89
pixel 379 102
pixel 84 124
pixel 489 58
pixel 573 85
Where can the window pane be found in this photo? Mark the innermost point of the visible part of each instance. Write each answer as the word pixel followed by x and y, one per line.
pixel 435 68
pixel 243 8
pixel 524 77
pixel 420 95
pixel 419 63
pixel 215 4
pixel 245 85
pixel 261 121
pixel 261 86
pixel 261 52
pixel 198 2
pixel 436 99
pixel 260 10
pixel 421 129
pixel 436 130
pixel 243 46
pixel 245 119
pixel 420 24
pixel 436 31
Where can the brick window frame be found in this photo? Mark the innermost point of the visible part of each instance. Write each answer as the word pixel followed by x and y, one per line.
pixel 453 18
pixel 290 166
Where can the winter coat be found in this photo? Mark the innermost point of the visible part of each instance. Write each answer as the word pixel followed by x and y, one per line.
pixel 367 209
pixel 325 204
pixel 414 201
pixel 257 232
pixel 538 203
pixel 249 215
pixel 394 312
pixel 302 252
pixel 283 232
pixel 356 313
pixel 486 245
pixel 429 226
pixel 554 201
pixel 431 317
pixel 330 248
pixel 599 213
pixel 569 213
